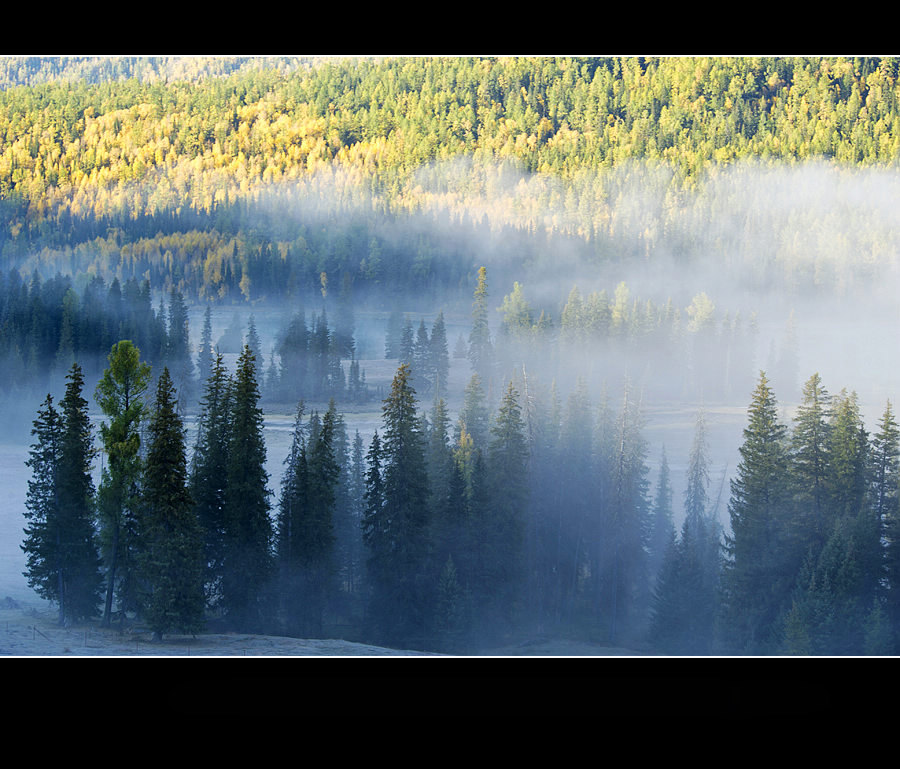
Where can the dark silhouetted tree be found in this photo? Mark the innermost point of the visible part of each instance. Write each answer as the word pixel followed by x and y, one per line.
pixel 248 536
pixel 171 556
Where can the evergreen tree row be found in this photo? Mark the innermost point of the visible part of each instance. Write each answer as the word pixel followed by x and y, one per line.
pixel 46 325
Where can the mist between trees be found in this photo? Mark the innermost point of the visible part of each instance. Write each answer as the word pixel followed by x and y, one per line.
pixel 512 498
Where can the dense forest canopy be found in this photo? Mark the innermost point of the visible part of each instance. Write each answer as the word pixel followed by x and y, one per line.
pixel 237 179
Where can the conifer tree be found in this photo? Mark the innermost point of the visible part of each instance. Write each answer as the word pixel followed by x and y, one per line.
pixel 178 348
pixel 306 523
pixel 810 461
pixel 662 527
pixel 120 395
pixel 474 414
pixel 422 374
pixel 208 473
pixel 757 587
pixel 396 523
pixel 79 560
pixel 500 525
pixel 847 449
pixel 42 543
pixel 171 553
pixel 885 489
pixel 293 350
pixel 626 525
pixel 357 493
pixel 480 348
pixel 573 496
pixel 205 353
pixel 439 356
pixel 685 600
pixel 62 562
pixel 248 535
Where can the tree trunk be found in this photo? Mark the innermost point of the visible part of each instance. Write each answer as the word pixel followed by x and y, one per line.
pixel 107 611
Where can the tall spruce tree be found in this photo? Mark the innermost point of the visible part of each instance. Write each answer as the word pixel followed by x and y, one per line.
pixel 500 526
pixel 178 347
pixel 810 460
pixel 120 395
pixel 397 529
pixel 439 356
pixel 306 536
pixel 662 526
pixel 756 584
pixel 78 561
pixel 685 600
pixel 248 535
pixel 627 525
pixel 205 352
pixel 171 556
pixel 480 348
pixel 208 473
pixel 81 585
pixel 885 490
pixel 43 537
pixel 62 561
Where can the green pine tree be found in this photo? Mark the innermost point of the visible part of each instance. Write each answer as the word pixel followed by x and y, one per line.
pixel 62 561
pixel 247 568
pixel 208 473
pixel 397 523
pixel 757 587
pixel 78 560
pixel 306 541
pixel 120 395
pixel 480 347
pixel 171 554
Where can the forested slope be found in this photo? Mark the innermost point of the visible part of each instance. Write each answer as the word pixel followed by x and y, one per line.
pixel 221 178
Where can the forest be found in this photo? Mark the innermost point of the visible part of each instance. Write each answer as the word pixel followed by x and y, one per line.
pixel 544 250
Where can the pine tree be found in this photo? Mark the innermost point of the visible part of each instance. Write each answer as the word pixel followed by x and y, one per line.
pixel 685 600
pixel 480 348
pixel 810 461
pixel 757 587
pixel 208 473
pixel 248 535
pixel 392 334
pixel 253 341
pixel 662 527
pixel 572 505
pixel 500 526
pixel 67 503
pixel 439 356
pixel 205 353
pixel 885 459
pixel 357 493
pixel 62 561
pixel 474 415
pixel 421 371
pixel 178 348
pixel 306 523
pixel 293 350
pixel 120 394
pixel 450 610
pixel 42 543
pixel 171 553
pixel 396 524
pixel 627 524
